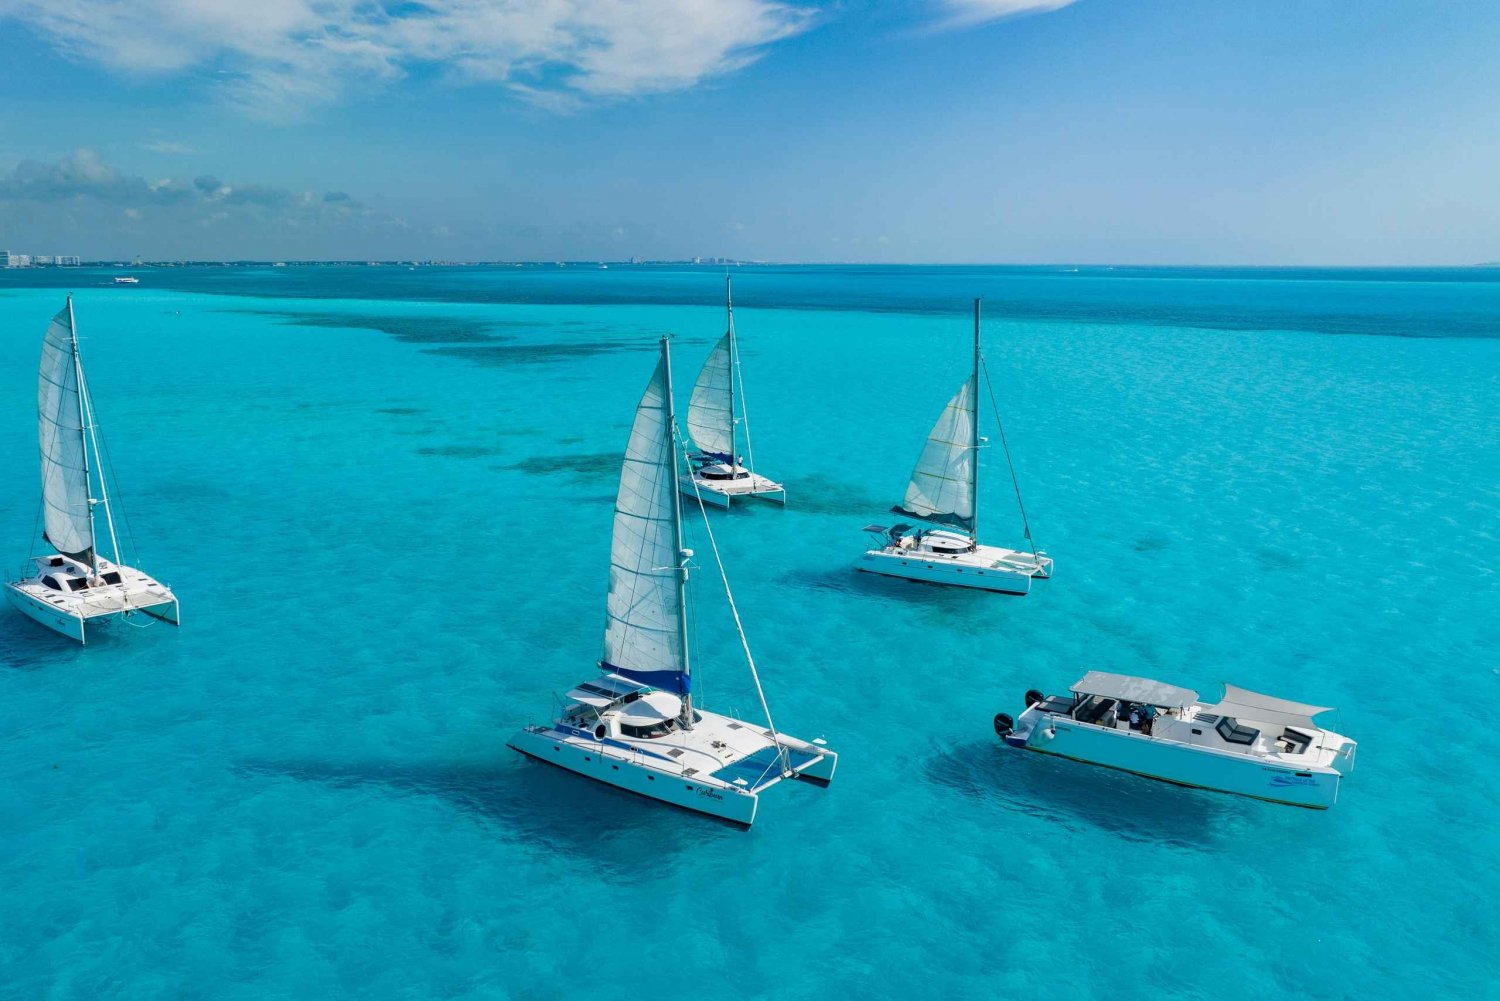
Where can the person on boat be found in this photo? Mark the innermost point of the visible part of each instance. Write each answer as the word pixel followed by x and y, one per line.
pixel 1135 717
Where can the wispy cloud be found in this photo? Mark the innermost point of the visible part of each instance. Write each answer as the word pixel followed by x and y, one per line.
pixel 169 147
pixel 82 180
pixel 963 13
pixel 277 57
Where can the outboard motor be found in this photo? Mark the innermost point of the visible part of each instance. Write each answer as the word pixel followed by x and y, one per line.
pixel 1034 697
pixel 1004 725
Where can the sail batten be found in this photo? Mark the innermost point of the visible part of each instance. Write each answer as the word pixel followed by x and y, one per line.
pixel 942 484
pixel 710 413
pixel 643 621
pixel 66 511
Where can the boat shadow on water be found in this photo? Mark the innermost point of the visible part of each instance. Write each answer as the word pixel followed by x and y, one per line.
pixel 531 803
pixel 1075 795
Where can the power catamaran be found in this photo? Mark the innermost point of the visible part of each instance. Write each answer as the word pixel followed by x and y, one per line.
pixel 635 726
pixel 944 491
pixel 75 588
pixel 1246 743
pixel 716 412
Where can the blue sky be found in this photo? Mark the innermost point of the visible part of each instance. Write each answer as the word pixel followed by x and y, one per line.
pixel 1029 131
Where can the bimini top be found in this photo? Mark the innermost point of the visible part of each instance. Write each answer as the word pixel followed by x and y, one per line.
pixel 604 691
pixel 1128 689
pixel 1243 703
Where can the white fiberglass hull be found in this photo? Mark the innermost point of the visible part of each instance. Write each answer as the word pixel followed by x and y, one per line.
pixel 986 568
pixel 76 613
pixel 722 492
pixel 1292 783
pixel 654 772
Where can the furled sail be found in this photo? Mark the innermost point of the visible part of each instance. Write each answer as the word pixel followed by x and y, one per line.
pixel 641 633
pixel 942 485
pixel 710 413
pixel 65 479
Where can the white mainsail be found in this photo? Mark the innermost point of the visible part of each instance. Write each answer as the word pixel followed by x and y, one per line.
pixel 65 476
pixel 710 413
pixel 942 485
pixel 642 634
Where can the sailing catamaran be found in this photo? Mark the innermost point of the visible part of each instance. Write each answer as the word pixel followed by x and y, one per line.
pixel 76 587
pixel 944 490
pixel 635 727
pixel 716 412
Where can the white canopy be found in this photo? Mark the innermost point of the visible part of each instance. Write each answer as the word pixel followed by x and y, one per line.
pixel 1243 703
pixel 1129 689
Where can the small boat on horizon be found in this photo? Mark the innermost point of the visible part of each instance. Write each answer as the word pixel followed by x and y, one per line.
pixel 74 588
pixel 635 727
pixel 944 492
pixel 127 280
pixel 1246 744
pixel 715 416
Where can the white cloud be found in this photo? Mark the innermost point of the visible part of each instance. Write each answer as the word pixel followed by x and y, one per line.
pixel 962 13
pixel 281 56
pixel 169 147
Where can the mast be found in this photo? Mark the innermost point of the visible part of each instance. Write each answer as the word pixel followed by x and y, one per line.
pixel 734 367
pixel 83 433
pixel 974 466
pixel 686 720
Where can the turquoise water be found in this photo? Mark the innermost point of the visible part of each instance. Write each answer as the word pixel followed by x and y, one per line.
pixel 384 499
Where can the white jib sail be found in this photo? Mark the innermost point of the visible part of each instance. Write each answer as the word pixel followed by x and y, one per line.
pixel 710 416
pixel 640 633
pixel 942 485
pixel 65 478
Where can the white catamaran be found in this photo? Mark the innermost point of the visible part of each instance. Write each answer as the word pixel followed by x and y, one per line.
pixel 635 727
pixel 716 412
pixel 944 491
pixel 75 588
pixel 1246 743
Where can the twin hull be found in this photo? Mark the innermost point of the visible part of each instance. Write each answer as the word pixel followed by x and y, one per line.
pixel 73 626
pixel 943 571
pixel 1169 761
pixel 729 803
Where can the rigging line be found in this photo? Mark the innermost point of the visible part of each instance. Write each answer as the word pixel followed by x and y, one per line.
pixel 738 625
pixel 109 465
pixel 1000 425
pixel 735 372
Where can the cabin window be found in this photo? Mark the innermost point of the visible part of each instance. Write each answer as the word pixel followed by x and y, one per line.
pixel 77 583
pixel 51 582
pixel 112 577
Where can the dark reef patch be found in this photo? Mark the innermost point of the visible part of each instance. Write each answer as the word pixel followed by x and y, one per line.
pixel 407 329
pixel 460 451
pixel 504 354
pixel 581 466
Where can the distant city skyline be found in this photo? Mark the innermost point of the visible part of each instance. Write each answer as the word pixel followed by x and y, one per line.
pixel 945 131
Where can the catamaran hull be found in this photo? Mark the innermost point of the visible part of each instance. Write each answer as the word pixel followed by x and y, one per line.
pixel 733 805
pixel 942 571
pixel 1128 751
pixel 715 494
pixel 76 626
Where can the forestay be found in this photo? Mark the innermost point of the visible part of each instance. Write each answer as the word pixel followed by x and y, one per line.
pixel 942 485
pixel 710 414
pixel 641 634
pixel 65 478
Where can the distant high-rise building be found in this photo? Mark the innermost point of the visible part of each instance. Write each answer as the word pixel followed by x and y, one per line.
pixel 42 260
pixel 20 260
pixel 4 258
pixel 67 260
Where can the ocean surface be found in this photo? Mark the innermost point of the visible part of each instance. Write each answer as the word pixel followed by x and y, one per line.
pixel 383 496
